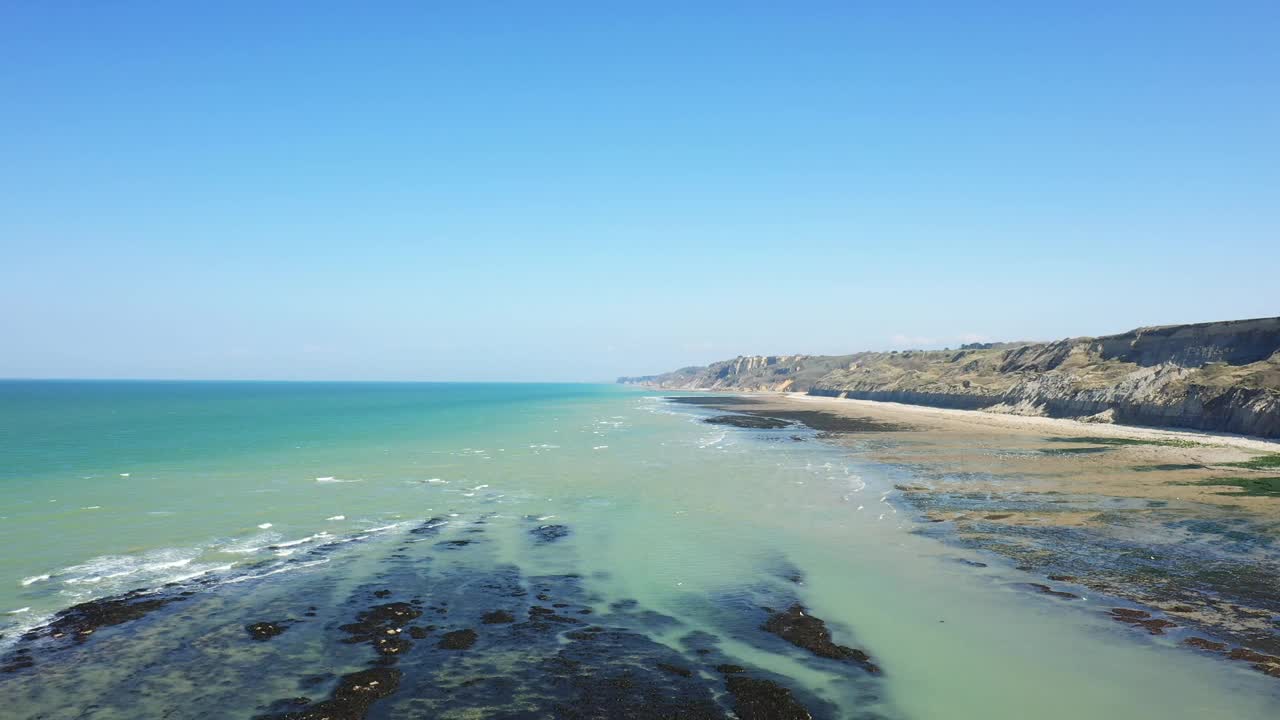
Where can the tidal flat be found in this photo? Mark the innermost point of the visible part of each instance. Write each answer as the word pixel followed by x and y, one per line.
pixel 1184 526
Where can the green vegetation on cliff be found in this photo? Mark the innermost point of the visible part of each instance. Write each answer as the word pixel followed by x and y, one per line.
pixel 1222 376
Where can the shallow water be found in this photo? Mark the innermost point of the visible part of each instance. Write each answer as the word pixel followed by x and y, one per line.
pixel 678 533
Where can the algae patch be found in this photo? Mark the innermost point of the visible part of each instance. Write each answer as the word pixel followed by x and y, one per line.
pixel 1260 486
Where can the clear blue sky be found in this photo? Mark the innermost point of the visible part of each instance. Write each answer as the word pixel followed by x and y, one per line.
pixel 558 191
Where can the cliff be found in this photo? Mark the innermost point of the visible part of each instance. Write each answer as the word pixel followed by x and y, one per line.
pixel 1222 376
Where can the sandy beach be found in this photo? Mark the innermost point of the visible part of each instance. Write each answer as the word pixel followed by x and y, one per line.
pixel 946 418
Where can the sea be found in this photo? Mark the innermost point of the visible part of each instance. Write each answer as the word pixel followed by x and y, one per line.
pixel 533 550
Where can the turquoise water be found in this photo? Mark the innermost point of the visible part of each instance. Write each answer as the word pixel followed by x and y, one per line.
pixel 244 489
pixel 132 483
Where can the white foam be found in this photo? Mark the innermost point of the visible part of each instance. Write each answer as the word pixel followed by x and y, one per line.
pixel 336 517
pixel 264 526
pixel 124 474
pixel 204 570
pixel 19 611
pixel 600 447
pixel 92 507
pixel 300 541
pixel 249 545
pixel 34 579
pixel 383 528
pixel 277 571
pixel 106 572
pixel 713 439
pixel 436 481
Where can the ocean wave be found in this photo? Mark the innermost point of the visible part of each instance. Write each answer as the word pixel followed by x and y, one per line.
pixel 107 568
pixel 249 545
pixel 276 571
pixel 713 439
pixel 111 575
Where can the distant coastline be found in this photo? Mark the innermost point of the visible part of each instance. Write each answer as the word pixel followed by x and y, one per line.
pixel 1221 377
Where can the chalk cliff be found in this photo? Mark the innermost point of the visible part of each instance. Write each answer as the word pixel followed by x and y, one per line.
pixel 1221 376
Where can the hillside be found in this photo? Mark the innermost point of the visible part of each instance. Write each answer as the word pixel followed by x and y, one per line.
pixel 1221 376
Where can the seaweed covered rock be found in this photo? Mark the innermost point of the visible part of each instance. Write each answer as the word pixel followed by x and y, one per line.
pixel 810 633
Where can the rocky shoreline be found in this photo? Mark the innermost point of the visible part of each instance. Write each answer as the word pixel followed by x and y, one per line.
pixel 440 628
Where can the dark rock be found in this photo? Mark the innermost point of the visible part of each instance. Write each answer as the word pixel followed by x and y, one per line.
pixel 380 621
pixel 430 527
pixel 351 700
pixel 751 422
pixel 675 669
pixel 1046 590
pixel 457 640
pixel 1251 656
pixel 1203 644
pixel 17 662
pixel 730 669
pixel 81 621
pixel 1141 618
pixel 757 699
pixel 391 644
pixel 497 617
pixel 810 633
pixel 541 614
pixel 549 533
pixel 265 630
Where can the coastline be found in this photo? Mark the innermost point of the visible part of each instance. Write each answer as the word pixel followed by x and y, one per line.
pixel 1154 517
pixel 722 567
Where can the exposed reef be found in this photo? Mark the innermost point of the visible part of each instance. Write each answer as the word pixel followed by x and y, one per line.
pixel 806 631
pixel 501 643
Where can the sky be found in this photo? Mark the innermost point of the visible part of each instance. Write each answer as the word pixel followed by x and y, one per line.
pixel 576 191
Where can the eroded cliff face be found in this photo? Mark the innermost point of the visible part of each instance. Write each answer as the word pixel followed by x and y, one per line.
pixel 1221 377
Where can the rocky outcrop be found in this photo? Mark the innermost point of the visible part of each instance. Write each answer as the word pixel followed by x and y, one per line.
pixel 1221 377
